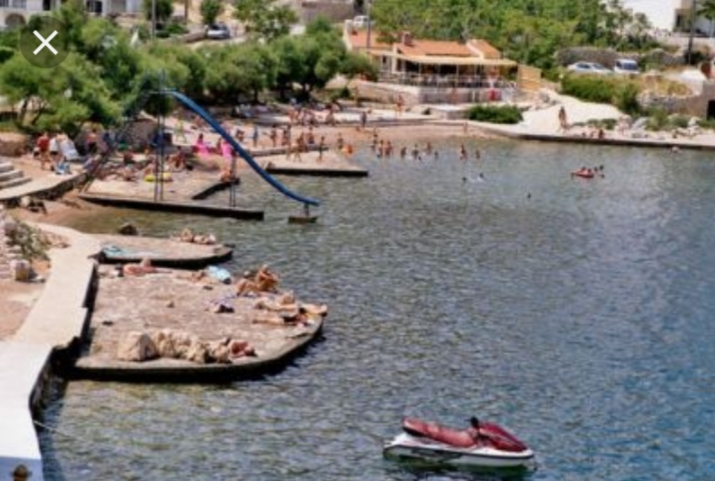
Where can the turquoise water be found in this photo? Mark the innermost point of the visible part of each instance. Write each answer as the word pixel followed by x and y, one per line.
pixel 581 318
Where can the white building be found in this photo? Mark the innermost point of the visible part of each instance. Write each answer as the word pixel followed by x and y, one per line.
pixel 661 13
pixel 15 13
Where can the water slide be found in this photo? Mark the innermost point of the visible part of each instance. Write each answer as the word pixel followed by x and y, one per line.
pixel 190 104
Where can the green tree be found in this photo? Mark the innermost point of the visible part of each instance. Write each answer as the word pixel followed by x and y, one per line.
pixel 210 11
pixel 355 64
pixel 164 9
pixel 191 66
pixel 707 10
pixel 263 19
pixel 240 71
pixel 61 98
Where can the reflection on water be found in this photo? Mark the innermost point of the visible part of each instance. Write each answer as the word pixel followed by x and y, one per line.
pixel 578 316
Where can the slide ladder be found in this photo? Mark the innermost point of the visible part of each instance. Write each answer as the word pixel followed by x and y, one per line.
pixel 191 105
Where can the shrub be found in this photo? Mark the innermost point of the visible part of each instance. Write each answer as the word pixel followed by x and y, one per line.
pixel 680 121
pixel 657 120
pixel 6 53
pixel 495 114
pixel 606 124
pixel 176 28
pixel 706 124
pixel 627 100
pixel 589 88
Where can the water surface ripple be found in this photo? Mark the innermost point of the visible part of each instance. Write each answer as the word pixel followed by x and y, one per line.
pixel 580 317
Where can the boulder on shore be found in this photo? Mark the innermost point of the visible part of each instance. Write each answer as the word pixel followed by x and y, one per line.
pixel 137 347
pixel 13 144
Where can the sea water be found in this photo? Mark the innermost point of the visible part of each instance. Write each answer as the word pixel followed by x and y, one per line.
pixel 578 313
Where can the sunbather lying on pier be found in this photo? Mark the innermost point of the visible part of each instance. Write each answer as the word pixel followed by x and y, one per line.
pixel 140 269
pixel 187 235
pixel 264 280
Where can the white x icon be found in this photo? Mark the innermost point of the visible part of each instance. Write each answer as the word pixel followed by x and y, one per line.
pixel 45 42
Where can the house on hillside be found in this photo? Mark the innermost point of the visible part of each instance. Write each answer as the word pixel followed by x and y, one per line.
pixel 435 70
pixel 15 13
pixel 660 13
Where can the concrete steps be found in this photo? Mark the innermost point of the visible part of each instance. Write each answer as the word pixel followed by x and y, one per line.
pixel 10 176
pixel 5 272
pixel 14 182
pixel 6 166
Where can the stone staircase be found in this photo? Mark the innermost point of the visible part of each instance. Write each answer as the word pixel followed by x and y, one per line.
pixel 5 272
pixel 10 176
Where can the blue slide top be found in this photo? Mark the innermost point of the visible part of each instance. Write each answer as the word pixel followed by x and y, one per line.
pixel 237 147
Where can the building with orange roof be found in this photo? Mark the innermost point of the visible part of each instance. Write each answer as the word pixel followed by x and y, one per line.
pixel 435 64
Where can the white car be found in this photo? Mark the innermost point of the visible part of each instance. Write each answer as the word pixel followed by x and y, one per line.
pixel 589 67
pixel 626 66
pixel 218 31
pixel 362 21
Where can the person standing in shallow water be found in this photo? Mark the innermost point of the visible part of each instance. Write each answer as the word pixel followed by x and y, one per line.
pixel 463 153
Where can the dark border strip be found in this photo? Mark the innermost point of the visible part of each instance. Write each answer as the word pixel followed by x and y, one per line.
pixel 174 207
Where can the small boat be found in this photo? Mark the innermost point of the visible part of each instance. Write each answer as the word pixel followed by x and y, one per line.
pixel 584 173
pixel 483 445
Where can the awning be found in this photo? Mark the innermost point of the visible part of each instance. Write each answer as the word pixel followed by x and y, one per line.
pixel 444 60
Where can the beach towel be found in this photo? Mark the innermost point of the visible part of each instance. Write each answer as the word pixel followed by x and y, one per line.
pixel 219 273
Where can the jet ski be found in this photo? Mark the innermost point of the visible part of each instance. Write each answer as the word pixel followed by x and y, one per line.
pixel 482 445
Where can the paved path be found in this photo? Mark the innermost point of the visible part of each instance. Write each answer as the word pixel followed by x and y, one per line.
pixel 56 319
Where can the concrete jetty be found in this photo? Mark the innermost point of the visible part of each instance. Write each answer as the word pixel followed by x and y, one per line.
pixel 174 207
pixel 180 195
pixel 331 165
pixel 121 249
pixel 174 300
pixel 57 321
pixel 46 187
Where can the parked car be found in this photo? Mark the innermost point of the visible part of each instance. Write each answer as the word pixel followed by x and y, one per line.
pixel 589 67
pixel 626 66
pixel 362 21
pixel 218 31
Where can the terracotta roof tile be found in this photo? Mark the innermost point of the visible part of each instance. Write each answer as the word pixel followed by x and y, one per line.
pixel 486 48
pixel 435 47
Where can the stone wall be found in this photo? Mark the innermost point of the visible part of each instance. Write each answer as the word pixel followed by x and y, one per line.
pixel 609 56
pixel 12 144
pixel 388 93
pixel 335 11
pixel 695 105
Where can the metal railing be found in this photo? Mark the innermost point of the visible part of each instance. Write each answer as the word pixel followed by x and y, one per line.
pixel 445 81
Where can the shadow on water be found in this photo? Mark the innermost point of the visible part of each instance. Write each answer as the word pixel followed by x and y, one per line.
pixel 415 470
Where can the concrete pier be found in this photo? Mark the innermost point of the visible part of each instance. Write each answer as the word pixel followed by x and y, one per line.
pixel 56 321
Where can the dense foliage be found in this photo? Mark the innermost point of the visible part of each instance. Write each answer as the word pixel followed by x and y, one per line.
pixel 529 31
pixel 210 11
pixel 603 89
pixel 263 19
pixel 495 114
pixel 106 77
pixel 164 9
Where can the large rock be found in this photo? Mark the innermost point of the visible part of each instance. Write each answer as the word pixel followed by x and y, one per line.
pixel 136 347
pixel 13 144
